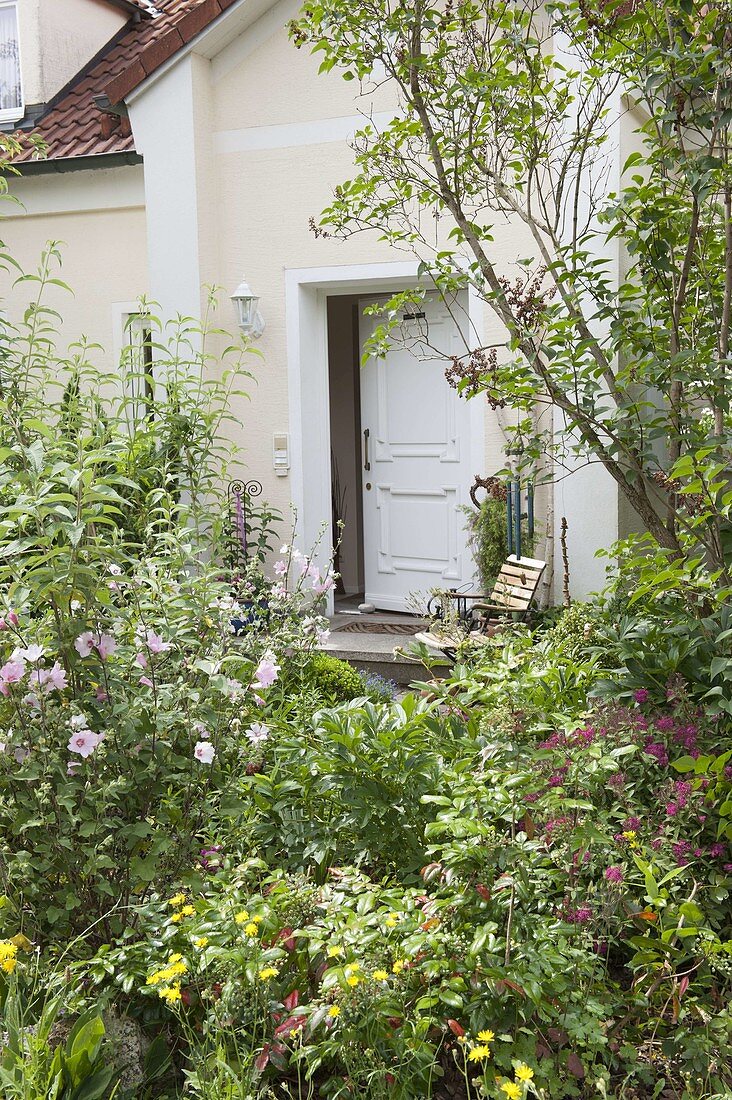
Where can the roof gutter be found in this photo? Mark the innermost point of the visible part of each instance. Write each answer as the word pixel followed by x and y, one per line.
pixel 77 164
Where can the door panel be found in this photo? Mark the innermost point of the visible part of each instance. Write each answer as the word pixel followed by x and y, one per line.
pixel 418 450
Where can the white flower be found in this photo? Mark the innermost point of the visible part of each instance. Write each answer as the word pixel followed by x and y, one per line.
pixel 258 733
pixel 204 752
pixel 76 605
pixel 32 653
pixel 285 549
pixel 321 636
pixel 78 722
pixel 114 570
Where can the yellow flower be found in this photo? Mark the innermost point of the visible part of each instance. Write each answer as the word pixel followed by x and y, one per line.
pixel 251 929
pixel 398 966
pixel 175 958
pixel 177 917
pixel 201 941
pixel 241 916
pixel 170 993
pixel 479 1054
pixel 8 950
pixel 334 1011
pixel 188 910
pixel 390 922
pixel 353 980
pixel 381 975
pixel 511 1090
pixel 335 951
pixel 353 966
pixel 630 834
pixel 268 972
pixel 257 920
pixel 524 1072
pixel 179 899
pixel 8 965
pixel 486 1036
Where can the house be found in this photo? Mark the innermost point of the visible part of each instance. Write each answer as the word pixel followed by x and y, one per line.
pixel 188 143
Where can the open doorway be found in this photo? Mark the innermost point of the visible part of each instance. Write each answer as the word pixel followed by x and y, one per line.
pixel 400 456
pixel 344 388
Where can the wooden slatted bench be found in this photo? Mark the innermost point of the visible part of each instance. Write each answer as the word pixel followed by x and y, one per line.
pixel 481 614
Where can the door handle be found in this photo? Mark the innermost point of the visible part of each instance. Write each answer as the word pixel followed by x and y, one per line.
pixel 366 463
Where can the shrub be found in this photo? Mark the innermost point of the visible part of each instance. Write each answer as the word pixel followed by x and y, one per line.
pixel 336 680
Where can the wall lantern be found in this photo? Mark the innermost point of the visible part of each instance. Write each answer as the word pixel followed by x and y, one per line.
pixel 249 318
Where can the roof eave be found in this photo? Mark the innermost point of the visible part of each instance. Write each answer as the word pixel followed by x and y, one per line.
pixel 45 167
pixel 131 8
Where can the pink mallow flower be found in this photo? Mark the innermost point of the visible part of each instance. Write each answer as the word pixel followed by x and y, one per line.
pixel 141 660
pixel 106 646
pixel 204 752
pixel 155 643
pixel 280 568
pixel 12 672
pixel 267 670
pixel 48 679
pixel 84 742
pixel 87 642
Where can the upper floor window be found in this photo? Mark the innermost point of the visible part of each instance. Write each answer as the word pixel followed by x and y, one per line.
pixel 11 93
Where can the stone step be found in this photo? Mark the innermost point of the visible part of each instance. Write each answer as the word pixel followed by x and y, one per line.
pixel 374 651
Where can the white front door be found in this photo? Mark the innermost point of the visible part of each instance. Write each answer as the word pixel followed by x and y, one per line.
pixel 415 464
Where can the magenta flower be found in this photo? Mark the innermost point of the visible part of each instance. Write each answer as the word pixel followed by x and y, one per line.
pixel 84 742
pixel 614 874
pixel 642 695
pixel 146 682
pixel 204 752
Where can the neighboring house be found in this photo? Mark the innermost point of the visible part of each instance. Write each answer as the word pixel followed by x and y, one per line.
pixel 188 143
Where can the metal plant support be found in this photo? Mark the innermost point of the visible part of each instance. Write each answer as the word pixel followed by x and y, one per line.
pixel 238 495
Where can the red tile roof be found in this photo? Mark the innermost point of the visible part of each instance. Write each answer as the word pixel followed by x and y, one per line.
pixel 73 126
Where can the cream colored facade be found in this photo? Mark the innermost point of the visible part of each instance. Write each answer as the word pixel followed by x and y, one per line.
pixel 242 142
pixel 57 38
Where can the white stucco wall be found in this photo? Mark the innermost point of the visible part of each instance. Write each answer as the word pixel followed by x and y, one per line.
pixel 58 37
pixel 99 219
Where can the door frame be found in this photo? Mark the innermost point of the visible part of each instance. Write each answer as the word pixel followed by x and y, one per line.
pixel 306 292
